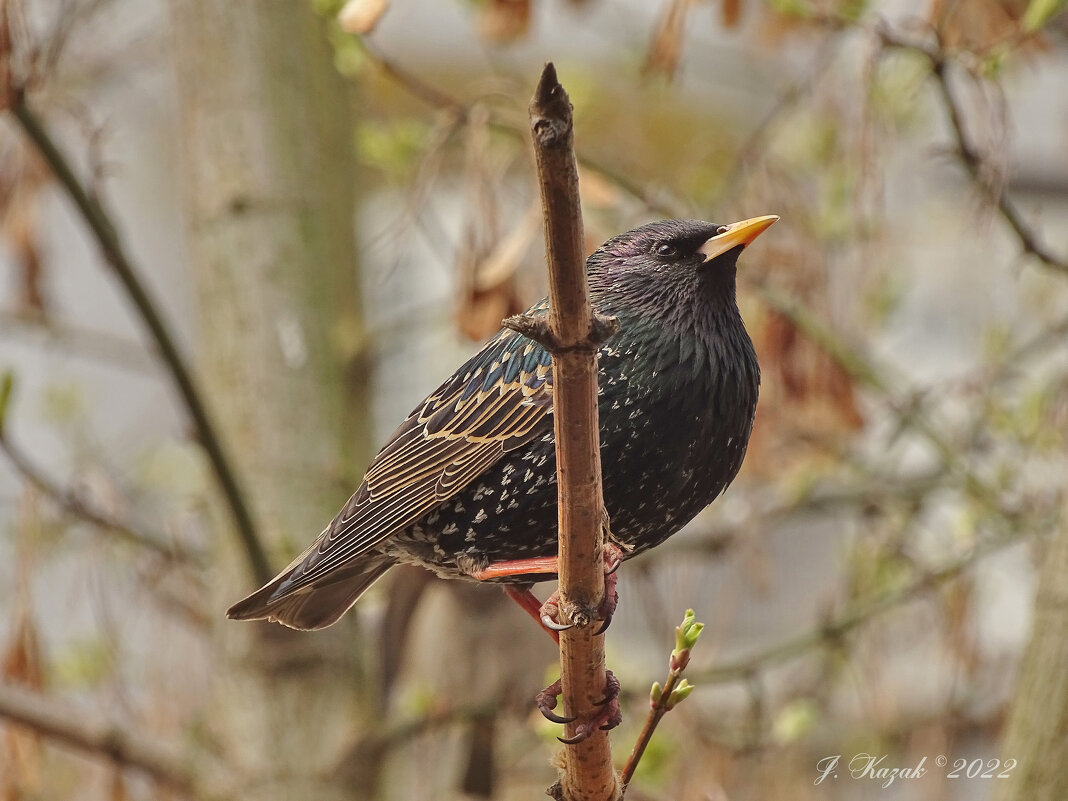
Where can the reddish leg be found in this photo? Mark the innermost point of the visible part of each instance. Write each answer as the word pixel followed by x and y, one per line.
pixel 546 614
pixel 609 714
pixel 518 567
pixel 531 605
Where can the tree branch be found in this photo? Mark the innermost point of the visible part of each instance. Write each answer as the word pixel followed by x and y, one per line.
pixel 97 736
pixel 439 99
pixel 102 228
pixel 78 341
pixel 833 630
pixel 883 381
pixel 972 158
pixel 68 500
pixel 572 335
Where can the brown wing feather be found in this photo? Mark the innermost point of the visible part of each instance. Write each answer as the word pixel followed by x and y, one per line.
pixel 495 403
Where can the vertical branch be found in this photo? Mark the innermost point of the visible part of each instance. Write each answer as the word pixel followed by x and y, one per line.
pixel 573 334
pixel 1037 732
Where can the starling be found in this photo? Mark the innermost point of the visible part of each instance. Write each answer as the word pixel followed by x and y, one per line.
pixel 466 486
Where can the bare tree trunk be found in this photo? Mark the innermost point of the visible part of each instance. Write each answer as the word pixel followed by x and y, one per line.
pixel 270 201
pixel 1037 733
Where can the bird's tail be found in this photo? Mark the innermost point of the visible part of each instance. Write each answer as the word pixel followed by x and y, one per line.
pixel 316 605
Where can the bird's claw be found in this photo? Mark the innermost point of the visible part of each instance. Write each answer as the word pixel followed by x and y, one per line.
pixel 550 610
pixel 552 625
pixel 547 700
pixel 611 596
pixel 607 717
pixel 611 689
pixel 613 558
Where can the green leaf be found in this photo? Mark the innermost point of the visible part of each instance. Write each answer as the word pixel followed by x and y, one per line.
pixel 1039 12
pixel 795 720
pixel 792 8
pixel 679 694
pixel 686 634
pixel 85 662
pixel 64 403
pixel 393 147
pixel 7 385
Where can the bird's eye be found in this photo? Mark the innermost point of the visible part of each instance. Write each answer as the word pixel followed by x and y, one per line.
pixel 722 229
pixel 666 249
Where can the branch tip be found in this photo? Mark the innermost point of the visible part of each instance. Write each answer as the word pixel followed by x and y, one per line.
pixel 550 111
pixel 548 86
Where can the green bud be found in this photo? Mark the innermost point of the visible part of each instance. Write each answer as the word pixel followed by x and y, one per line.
pixel 655 694
pixel 686 635
pixel 679 694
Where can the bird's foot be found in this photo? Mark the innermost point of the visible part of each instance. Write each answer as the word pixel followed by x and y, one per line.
pixel 549 613
pixel 547 700
pixel 608 714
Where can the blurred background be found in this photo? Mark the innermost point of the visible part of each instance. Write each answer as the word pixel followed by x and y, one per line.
pixel 328 214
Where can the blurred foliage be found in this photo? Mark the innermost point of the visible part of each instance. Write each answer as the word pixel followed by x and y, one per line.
pixel 912 420
pixel 83 664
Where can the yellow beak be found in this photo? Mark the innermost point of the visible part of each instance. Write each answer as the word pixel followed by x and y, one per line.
pixel 739 233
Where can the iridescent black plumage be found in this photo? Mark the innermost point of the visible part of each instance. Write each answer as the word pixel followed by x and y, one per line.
pixel 469 478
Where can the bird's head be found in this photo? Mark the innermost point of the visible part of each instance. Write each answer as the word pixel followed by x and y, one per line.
pixel 663 264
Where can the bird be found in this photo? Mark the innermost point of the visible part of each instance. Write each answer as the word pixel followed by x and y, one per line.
pixel 466 485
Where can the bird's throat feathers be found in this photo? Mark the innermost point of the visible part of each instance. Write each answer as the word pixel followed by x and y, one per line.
pixel 687 325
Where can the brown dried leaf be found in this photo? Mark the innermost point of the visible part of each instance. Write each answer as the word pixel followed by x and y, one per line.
pixel 505 20
pixel 22 178
pixel 489 292
pixel 361 16
pixel 978 24
pixel 731 13
pixel 22 656
pixel 21 752
pixel 666 47
pixel 807 376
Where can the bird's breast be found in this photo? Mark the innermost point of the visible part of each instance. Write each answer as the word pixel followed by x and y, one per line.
pixel 672 436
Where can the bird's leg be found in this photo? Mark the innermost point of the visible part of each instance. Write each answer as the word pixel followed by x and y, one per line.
pixel 529 603
pixel 518 567
pixel 547 613
pixel 608 716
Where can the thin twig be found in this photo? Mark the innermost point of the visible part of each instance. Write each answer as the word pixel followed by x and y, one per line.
pixel 100 224
pixel 78 508
pixel 68 500
pixel 572 334
pixel 99 737
pixel 756 140
pixel 882 381
pixel 833 630
pixel 970 156
pixel 663 699
pixel 439 99
pixel 79 341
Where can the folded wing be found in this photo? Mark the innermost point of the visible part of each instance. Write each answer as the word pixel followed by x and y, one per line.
pixel 498 401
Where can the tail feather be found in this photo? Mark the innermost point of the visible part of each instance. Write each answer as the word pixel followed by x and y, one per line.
pixel 316 605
